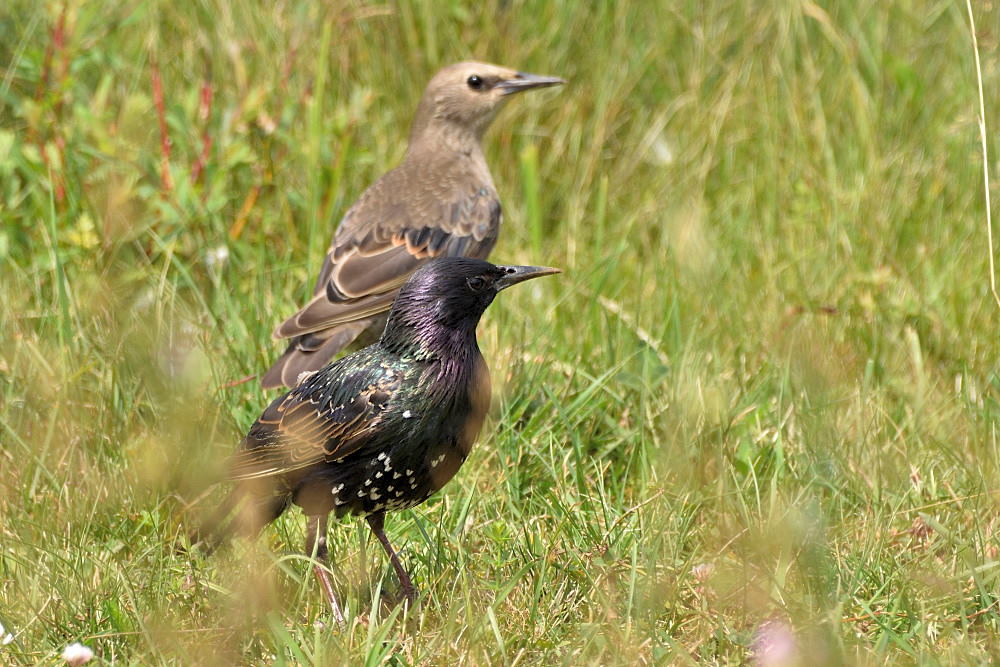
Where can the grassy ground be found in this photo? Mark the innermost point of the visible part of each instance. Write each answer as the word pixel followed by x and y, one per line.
pixel 761 402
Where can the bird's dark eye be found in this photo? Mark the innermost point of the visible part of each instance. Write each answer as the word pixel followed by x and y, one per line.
pixel 477 283
pixel 475 82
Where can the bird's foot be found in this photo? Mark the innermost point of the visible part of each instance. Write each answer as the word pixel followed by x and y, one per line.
pixel 407 596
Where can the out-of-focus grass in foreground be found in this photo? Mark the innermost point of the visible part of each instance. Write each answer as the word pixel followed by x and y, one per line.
pixel 755 417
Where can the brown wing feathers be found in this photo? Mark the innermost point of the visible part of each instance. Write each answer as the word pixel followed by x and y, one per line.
pixel 361 277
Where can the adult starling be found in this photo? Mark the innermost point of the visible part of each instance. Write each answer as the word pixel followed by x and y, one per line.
pixel 385 427
pixel 440 201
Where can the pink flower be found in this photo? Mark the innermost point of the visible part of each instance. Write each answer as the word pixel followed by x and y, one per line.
pixel 77 654
pixel 702 572
pixel 774 644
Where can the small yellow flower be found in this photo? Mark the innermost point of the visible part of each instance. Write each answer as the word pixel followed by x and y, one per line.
pixel 83 235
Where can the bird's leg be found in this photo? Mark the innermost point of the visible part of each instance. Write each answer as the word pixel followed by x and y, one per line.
pixel 316 548
pixel 376 522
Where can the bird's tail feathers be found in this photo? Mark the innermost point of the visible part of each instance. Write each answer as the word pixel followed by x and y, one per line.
pixel 243 513
pixel 313 351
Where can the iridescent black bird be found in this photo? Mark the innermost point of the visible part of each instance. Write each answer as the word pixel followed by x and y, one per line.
pixel 439 202
pixel 386 427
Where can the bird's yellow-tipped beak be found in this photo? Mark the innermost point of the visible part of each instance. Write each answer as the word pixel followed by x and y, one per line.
pixel 523 81
pixel 518 274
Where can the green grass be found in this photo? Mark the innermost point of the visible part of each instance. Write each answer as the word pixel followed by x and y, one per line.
pixel 772 355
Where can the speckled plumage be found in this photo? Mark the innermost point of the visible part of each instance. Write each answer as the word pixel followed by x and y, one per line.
pixel 386 427
pixel 439 202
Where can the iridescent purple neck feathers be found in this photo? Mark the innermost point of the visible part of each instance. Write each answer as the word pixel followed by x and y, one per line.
pixel 437 311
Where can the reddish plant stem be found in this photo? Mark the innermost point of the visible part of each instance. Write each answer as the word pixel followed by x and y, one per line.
pixel 244 213
pixel 165 180
pixel 286 71
pixel 57 42
pixel 60 39
pixel 236 383
pixel 878 613
pixel 204 111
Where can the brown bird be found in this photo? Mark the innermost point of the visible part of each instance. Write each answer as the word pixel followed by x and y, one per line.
pixel 439 202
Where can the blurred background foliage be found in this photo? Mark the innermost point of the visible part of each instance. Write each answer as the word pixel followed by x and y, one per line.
pixel 756 418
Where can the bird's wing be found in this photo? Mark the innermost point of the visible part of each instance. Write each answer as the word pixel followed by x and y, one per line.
pixel 395 226
pixel 327 417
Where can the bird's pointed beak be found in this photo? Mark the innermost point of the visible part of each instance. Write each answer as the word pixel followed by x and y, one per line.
pixel 523 81
pixel 518 274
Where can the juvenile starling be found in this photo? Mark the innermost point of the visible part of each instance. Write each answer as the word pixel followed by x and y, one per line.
pixel 439 202
pixel 385 427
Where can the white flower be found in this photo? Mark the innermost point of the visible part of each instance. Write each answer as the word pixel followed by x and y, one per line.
pixel 77 654
pixel 660 151
pixel 145 300
pixel 217 257
pixel 266 123
pixel 5 637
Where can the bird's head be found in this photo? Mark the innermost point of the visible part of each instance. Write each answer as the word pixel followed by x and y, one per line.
pixel 448 296
pixel 466 96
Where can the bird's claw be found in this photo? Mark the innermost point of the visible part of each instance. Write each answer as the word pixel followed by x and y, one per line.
pixel 407 596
